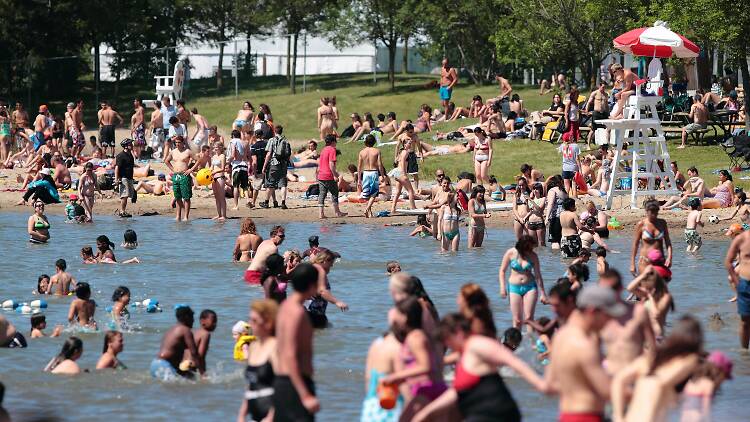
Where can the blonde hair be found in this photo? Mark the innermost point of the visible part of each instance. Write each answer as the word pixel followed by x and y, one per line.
pixel 267 309
pixel 322 256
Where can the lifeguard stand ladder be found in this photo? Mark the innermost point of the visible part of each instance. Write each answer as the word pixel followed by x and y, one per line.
pixel 171 86
pixel 641 129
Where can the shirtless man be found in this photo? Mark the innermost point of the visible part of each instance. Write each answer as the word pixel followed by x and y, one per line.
pixel 570 245
pixel 266 248
pixel 694 187
pixel 294 390
pixel 157 130
pixel 448 79
pixel 178 162
pixel 82 308
pixel 41 124
pixel 62 279
pixel 598 101
pixel 19 117
pixel 182 113
pixel 200 137
pixel 176 341
pixel 369 168
pixel 62 174
pixel 628 336
pixel 699 115
pixel 505 88
pixel 157 187
pixel 107 126
pixel 138 127
pixel 739 278
pixel 575 368
pixel 440 195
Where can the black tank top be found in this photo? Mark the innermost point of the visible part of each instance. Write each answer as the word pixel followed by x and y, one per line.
pixel 489 400
pixel 260 388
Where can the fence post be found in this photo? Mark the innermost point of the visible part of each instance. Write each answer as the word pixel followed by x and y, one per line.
pixel 304 65
pixel 236 70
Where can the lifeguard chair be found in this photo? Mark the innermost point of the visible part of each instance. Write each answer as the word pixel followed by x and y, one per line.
pixel 171 86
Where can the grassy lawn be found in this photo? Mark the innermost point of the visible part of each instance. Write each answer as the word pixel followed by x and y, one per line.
pixel 358 93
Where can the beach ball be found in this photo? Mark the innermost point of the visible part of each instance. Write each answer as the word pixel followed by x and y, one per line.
pixel 203 177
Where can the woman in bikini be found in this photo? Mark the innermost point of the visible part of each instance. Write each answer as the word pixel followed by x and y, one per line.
pixel 87 187
pixel 521 211
pixel 367 126
pixel 451 235
pixel 721 195
pixel 38 225
pixel 247 242
pixel 650 288
pixel 218 162
pixel 325 118
pixel 335 110
pixel 535 226
pixel 482 156
pixel 650 233
pixel 471 112
pixel 402 177
pixel 525 283
pixel 477 214
pixel 743 210
pixel 423 124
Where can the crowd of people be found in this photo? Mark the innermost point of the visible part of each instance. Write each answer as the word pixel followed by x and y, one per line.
pixel 644 359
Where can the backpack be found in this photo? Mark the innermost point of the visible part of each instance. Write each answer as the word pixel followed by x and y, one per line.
pixel 312 190
pixel 283 149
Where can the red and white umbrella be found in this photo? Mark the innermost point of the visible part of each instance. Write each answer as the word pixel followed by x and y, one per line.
pixel 656 41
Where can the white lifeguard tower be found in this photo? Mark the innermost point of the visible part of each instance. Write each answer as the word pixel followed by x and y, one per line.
pixel 170 86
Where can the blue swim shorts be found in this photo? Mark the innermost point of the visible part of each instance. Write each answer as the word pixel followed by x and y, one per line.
pixel 163 370
pixel 743 297
pixel 445 93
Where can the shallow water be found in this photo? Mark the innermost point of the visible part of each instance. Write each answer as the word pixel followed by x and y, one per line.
pixel 190 263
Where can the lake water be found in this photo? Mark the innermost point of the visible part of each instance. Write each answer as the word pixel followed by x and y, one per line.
pixel 190 263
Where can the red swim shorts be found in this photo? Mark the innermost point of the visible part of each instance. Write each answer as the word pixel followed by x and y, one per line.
pixel 252 277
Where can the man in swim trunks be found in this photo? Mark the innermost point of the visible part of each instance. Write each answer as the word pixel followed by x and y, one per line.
pixel 599 103
pixel 20 117
pixel 294 390
pixel 107 126
pixel 138 127
pixel 175 342
pixel 575 368
pixel 369 168
pixel 41 124
pixel 124 168
pixel 739 278
pixel 157 130
pixel 238 156
pixel 448 79
pixel 266 248
pixel 178 161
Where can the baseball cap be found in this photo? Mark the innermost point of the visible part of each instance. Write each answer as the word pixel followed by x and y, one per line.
pixel 71 105
pixel 73 197
pixel 602 298
pixel 721 361
pixel 45 171
pixel 734 230
pixel 313 240
pixel 125 142
pixel 162 176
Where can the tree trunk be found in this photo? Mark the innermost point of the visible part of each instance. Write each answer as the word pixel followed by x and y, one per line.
pixel 288 55
pixel 745 82
pixel 97 72
pixel 116 94
pixel 704 64
pixel 392 63
pixel 470 69
pixel 405 58
pixel 219 69
pixel 248 57
pixel 720 64
pixel 293 79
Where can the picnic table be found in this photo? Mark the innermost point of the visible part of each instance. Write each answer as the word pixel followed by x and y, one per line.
pixel 723 119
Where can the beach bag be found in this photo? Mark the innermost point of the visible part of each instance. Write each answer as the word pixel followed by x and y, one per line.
pixel 562 126
pixel 313 190
pixel 105 181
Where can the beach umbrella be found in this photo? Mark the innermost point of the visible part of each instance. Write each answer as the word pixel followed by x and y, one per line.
pixel 656 41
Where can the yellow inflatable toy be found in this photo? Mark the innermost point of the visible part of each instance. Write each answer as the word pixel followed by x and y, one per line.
pixel 239 349
pixel 203 177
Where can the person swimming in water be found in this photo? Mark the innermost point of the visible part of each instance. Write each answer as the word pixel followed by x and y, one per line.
pixel 167 365
pixel 113 345
pixel 247 242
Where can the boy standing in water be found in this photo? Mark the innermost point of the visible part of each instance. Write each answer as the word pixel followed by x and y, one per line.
pixel 294 390
pixel 202 336
pixel 692 237
pixel 61 278
pixel 82 308
pixel 176 341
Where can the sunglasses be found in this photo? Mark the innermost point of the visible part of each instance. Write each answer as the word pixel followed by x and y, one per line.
pixel 281 236
pixel 439 176
pixel 38 205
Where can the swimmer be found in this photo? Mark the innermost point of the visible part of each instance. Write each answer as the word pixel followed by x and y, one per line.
pixel 176 341
pixel 451 234
pixel 39 323
pixel 577 275
pixel 38 224
pixel 651 288
pixel 543 339
pixel 423 228
pixel 512 338
pixel 292 258
pixel 477 214
pixel 474 305
pixel 106 254
pixel 121 299
pixel 266 248
pixel 202 336
pixel 87 255
pixel 62 279
pixel 525 284
pixel 247 242
pixel 392 267
pixel 601 261
pixel 130 239
pixel 242 340
pixel 259 373
pixel 82 308
pixel 692 236
pixel 316 307
pixel 113 345
pixel 650 233
pixel 65 361
pixel 41 284
pixel 697 397
pixel 273 287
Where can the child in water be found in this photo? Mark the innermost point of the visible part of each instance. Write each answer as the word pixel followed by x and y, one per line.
pixel 113 345
pixel 74 211
pixel 423 228
pixel 544 339
pixel 601 261
pixel 130 239
pixel 692 237
pixel 577 275
pixel 87 255
pixel 202 335
pixel 512 338
pixel 41 284
pixel 392 267
pixel 39 323
pixel 242 339
pixel 698 394
pixel 121 299
pixel 82 308
pixel 65 361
